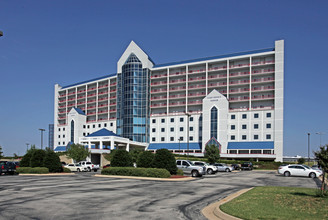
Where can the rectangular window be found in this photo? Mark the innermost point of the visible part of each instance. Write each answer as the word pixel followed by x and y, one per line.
pixel 88 126
pixel 99 125
pixel 83 126
pixel 162 139
pixel 191 128
pixel 84 134
pixel 64 143
pixel 162 129
pixel 191 118
pixel 243 152
pixel 232 137
pixel 266 151
pixel 256 115
pixel 154 130
pixel 268 136
pixel 256 137
pixel 58 143
pixel 268 115
pixel 181 128
pixel 256 126
pixel 244 116
pixel 63 129
pixel 268 125
pixel 163 120
pixel 171 138
pixel 233 116
pixel 58 129
pixel 172 120
pixel 94 126
pixel 191 138
pixel 111 124
pixel 181 119
pixel 233 127
pixel 172 129
pixel 256 152
pixel 181 139
pixel 58 136
pixel 154 121
pixel 244 137
pixel 153 139
pixel 233 151
pixel 63 136
pixel 244 126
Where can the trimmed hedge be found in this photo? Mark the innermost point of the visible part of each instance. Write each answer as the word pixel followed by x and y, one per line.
pixel 66 170
pixel 33 170
pixel 180 172
pixel 131 171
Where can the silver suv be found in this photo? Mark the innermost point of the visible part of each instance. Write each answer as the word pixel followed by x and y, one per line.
pixel 209 168
pixel 189 168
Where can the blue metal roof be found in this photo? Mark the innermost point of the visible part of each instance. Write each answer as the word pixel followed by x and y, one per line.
pixel 79 111
pixel 75 84
pixel 175 146
pixel 215 57
pixel 103 132
pixel 251 145
pixel 60 148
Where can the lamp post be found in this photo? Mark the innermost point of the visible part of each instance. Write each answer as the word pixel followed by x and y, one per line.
pixel 188 116
pixel 320 133
pixel 308 148
pixel 27 146
pixel 1 33
pixel 42 130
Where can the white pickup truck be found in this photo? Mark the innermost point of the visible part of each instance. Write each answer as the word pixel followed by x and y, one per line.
pixel 89 166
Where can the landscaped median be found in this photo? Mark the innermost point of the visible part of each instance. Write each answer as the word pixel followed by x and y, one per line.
pixel 140 173
pixel 40 171
pixel 278 203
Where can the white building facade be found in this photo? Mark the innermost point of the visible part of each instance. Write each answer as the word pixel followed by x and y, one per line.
pixel 232 101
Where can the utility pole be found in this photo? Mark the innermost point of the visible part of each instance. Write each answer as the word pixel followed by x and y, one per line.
pixel 309 148
pixel 42 130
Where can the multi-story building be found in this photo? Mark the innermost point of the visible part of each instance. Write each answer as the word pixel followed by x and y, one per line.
pixel 51 136
pixel 233 101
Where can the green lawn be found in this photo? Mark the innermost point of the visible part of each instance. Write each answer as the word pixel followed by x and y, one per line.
pixel 278 203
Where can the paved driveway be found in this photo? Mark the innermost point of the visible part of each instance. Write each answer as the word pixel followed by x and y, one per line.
pixel 83 196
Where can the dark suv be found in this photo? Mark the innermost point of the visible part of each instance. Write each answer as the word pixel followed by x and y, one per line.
pixel 246 166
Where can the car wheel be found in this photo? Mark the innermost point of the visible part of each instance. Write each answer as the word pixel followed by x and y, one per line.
pixel 89 170
pixel 210 171
pixel 312 175
pixel 78 170
pixel 194 173
pixel 95 170
pixel 227 170
pixel 287 174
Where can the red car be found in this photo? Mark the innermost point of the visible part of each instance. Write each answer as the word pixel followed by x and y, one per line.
pixel 107 165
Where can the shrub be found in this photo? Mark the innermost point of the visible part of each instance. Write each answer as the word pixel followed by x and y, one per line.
pixel 121 158
pixel 37 158
pixel 145 159
pixel 301 160
pixel 135 154
pixel 131 171
pixel 180 172
pixel 165 159
pixel 32 170
pixel 66 170
pixel 52 161
pixel 26 160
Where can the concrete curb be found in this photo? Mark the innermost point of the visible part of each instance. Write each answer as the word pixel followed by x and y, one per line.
pixel 213 211
pixel 146 178
pixel 48 174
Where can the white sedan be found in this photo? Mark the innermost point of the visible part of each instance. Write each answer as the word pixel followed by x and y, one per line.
pixel 75 167
pixel 298 170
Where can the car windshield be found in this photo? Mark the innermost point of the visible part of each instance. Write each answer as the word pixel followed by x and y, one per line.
pixel 307 167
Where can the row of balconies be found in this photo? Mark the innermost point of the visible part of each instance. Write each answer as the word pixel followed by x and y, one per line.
pixel 261 107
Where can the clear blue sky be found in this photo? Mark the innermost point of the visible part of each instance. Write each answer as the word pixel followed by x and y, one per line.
pixel 49 42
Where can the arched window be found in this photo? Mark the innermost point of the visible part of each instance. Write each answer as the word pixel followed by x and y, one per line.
pixel 72 131
pixel 214 123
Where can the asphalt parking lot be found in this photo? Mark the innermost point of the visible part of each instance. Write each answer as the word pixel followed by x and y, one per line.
pixel 84 196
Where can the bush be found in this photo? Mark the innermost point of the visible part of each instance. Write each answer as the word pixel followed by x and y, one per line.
pixel 26 160
pixel 131 171
pixel 135 154
pixel 121 158
pixel 166 160
pixel 145 159
pixel 52 161
pixel 37 158
pixel 66 170
pixel 301 160
pixel 180 172
pixel 32 170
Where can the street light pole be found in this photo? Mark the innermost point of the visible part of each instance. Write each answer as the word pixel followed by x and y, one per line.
pixel 27 146
pixel 188 116
pixel 309 148
pixel 320 133
pixel 42 130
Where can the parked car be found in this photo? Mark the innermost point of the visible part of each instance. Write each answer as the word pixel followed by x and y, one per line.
pixel 7 167
pixel 299 170
pixel 223 167
pixel 89 166
pixel 246 166
pixel 210 169
pixel 316 167
pixel 75 167
pixel 235 166
pixel 189 168
pixel 107 165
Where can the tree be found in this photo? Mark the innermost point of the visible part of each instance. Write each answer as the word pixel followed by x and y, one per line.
pixel 322 158
pixel 37 158
pixel 26 160
pixel 166 160
pixel 145 159
pixel 212 153
pixel 135 154
pixel 301 160
pixel 77 152
pixel 121 158
pixel 1 152
pixel 52 161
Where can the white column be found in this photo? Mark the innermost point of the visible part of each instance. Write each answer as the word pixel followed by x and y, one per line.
pixel 112 143
pixel 128 147
pixel 89 145
pixel 101 144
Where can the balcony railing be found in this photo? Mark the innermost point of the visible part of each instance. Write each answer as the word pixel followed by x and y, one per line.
pixel 197 102
pixel 103 86
pixel 176 103
pixel 71 93
pixel 91 89
pixel 103 99
pixel 61 118
pixel 113 90
pixel 112 103
pixel 62 95
pixel 158 83
pixel 91 113
pixel 262 107
pixel 80 103
pixel 71 99
pixel 269 79
pixel 70 105
pixel 239 90
pixel 113 97
pixel 177 81
pixel 102 106
pixel 239 65
pixel 238 82
pixel 245 73
pixel 91 101
pixel 217 68
pixel 259 97
pixel 158 97
pixel 62 101
pixel 236 99
pixel 239 109
pixel 217 84
pixel 196 86
pixel 89 121
pixel 197 94
pixel 177 73
pixel 112 110
pixel 102 119
pixel 217 76
pixel 103 93
pixel 81 97
pixel 80 91
pixel 197 78
pixel 158 105
pixel 62 106
pixel 262 88
pixel 62 112
pixel 113 84
pixel 112 118
pixel 158 90
pixel 262 63
pixel 262 71
pixel 91 107
pixel 197 71
pixel 102 112
pixel 158 76
pixel 177 96
pixel 177 88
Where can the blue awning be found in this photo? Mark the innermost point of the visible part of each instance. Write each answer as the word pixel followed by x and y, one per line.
pixel 103 132
pixel 175 146
pixel 60 148
pixel 251 145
